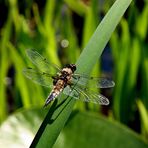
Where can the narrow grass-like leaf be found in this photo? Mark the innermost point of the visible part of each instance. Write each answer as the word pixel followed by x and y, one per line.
pixel 50 31
pixel 78 6
pixel 68 33
pixel 144 117
pixel 59 112
pixel 101 36
pixel 142 22
pixel 4 65
pixel 18 63
pixel 144 88
pixel 121 67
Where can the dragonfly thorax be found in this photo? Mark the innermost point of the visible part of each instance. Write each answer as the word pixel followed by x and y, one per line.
pixel 65 75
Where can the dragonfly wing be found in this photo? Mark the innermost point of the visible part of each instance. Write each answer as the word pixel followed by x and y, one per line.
pixel 38 77
pixel 90 96
pixel 86 95
pixel 71 92
pixel 82 80
pixel 42 63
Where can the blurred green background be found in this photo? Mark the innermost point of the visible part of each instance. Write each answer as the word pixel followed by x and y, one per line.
pixel 59 30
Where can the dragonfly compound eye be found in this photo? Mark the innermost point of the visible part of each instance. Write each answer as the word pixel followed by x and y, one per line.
pixel 73 67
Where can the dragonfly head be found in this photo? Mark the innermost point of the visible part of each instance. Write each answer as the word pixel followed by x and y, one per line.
pixel 72 67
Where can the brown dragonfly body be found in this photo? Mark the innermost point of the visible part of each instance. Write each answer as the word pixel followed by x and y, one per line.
pixel 60 82
pixel 66 80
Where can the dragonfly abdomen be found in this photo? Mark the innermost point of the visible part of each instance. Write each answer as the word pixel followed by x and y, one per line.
pixel 55 92
pixel 49 98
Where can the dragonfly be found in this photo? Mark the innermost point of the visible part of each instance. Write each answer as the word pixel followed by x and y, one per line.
pixel 65 80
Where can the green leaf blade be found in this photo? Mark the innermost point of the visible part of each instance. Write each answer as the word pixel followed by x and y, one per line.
pixel 62 110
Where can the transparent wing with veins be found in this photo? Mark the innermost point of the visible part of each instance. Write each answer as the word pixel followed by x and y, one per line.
pixel 86 95
pixel 42 74
pixel 96 82
pixel 80 91
pixel 38 77
pixel 40 62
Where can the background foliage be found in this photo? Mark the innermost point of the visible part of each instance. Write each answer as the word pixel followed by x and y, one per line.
pixel 60 30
